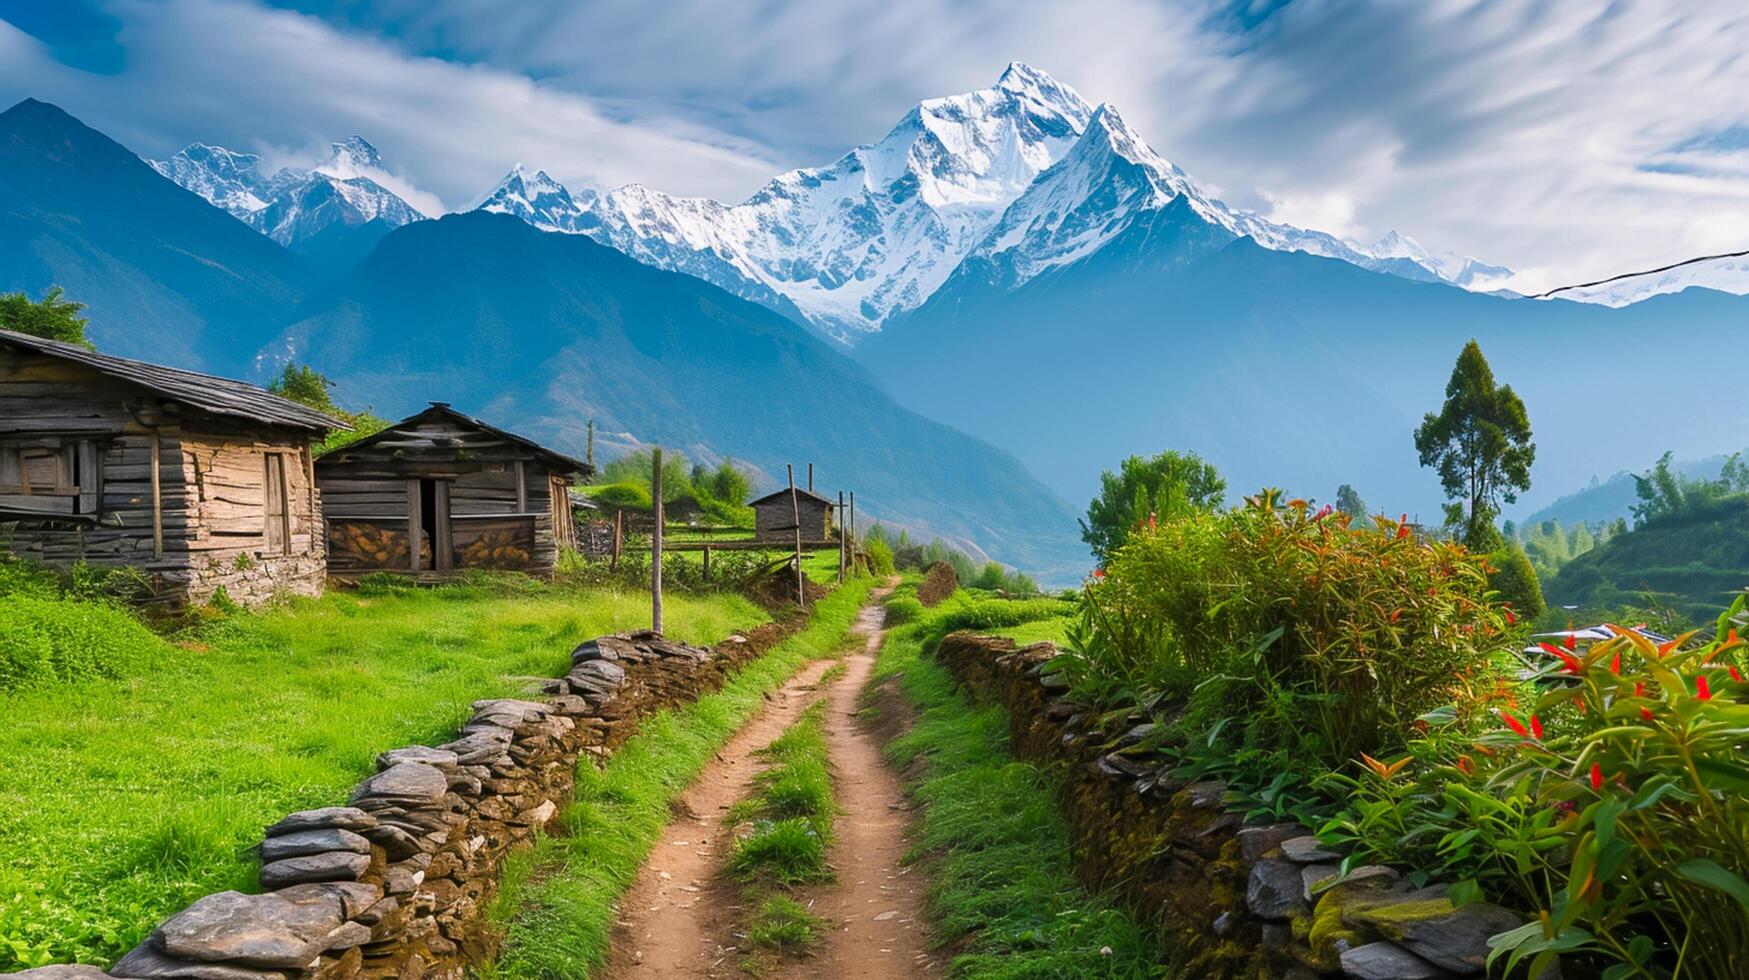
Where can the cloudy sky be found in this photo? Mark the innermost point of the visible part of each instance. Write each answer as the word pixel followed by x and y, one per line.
pixel 1569 140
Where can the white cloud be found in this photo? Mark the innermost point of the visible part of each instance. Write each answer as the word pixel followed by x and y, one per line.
pixel 235 74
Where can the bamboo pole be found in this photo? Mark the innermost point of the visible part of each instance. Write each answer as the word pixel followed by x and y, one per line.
pixel 854 540
pixel 795 506
pixel 842 557
pixel 656 542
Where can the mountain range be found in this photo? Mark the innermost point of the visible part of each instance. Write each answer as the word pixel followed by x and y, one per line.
pixel 536 331
pixel 849 246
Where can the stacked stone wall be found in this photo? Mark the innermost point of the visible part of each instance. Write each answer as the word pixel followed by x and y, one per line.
pixel 1227 897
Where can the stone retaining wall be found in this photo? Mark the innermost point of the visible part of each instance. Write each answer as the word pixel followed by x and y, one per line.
pixel 393 883
pixel 1227 898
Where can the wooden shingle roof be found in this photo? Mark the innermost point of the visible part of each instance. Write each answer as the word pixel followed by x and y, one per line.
pixel 216 396
pixel 784 496
pixel 441 412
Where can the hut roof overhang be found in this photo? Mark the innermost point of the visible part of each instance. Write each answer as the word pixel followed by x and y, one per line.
pixel 209 394
pixel 441 411
pixel 784 495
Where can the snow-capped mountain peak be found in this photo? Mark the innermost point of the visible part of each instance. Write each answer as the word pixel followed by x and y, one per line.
pixel 355 157
pixel 537 199
pixel 1025 174
pixel 292 205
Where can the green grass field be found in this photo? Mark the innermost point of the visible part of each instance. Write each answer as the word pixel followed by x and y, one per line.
pixel 121 800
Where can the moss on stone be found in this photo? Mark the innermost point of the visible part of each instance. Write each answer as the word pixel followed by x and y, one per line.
pixel 1391 917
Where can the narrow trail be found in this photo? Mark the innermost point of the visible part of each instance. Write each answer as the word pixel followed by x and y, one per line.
pixel 679 917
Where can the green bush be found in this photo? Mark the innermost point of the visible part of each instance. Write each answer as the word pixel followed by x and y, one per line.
pixel 1316 636
pixel 880 556
pixel 623 496
pixel 46 639
pixel 1516 581
pixel 903 609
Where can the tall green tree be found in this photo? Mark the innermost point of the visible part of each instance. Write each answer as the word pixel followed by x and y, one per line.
pixel 1348 502
pixel 1169 485
pixel 1480 444
pixel 53 317
pixel 306 386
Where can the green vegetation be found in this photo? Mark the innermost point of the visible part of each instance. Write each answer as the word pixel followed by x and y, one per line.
pixel 1692 561
pixel 1516 581
pixel 556 908
pixel 1348 502
pixel 790 815
pixel 140 775
pixel 53 317
pixel 792 811
pixel 1480 444
pixel 1284 631
pixel 1549 546
pixel 1144 491
pixel 1664 493
pixel 897 552
pixel 1004 894
pixel 717 494
pixel 1364 679
pixel 306 386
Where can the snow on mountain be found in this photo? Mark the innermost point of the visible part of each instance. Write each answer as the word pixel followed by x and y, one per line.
pixel 292 205
pixel 1459 270
pixel 1025 174
pixel 1725 273
pixel 539 200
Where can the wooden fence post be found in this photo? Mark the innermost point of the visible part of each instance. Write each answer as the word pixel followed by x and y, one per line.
pixel 656 541
pixel 707 562
pixel 841 555
pixel 795 506
pixel 619 531
pixel 853 537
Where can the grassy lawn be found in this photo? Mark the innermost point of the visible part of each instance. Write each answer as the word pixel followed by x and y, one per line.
pixel 122 800
pixel 1053 630
pixel 556 910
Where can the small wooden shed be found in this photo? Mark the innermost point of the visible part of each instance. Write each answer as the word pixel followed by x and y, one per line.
pixel 441 491
pixel 774 516
pixel 201 482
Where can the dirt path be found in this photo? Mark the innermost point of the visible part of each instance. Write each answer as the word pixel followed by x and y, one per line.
pixel 877 903
pixel 679 916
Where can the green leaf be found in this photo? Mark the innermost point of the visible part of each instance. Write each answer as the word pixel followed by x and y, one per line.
pixel 1709 873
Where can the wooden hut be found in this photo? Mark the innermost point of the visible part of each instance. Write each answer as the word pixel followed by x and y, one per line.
pixel 442 491
pixel 774 516
pixel 200 482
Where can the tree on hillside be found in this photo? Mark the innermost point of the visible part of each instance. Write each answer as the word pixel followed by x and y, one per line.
pixel 1348 502
pixel 52 317
pixel 1169 485
pixel 305 385
pixel 1480 444
pixel 1664 491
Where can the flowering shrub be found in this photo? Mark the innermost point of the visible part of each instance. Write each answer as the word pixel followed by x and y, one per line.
pixel 1613 802
pixel 1335 637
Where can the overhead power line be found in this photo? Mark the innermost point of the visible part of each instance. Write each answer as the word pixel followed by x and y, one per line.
pixel 1647 272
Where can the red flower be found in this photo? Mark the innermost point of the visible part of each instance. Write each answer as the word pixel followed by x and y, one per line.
pixel 1615 663
pixel 1645 712
pixel 1153 525
pixel 1323 512
pixel 1536 727
pixel 1514 724
pixel 1569 641
pixel 1702 689
pixel 1099 573
pixel 1403 527
pixel 1639 689
pixel 1596 776
pixel 1736 675
pixel 1511 620
pixel 1570 662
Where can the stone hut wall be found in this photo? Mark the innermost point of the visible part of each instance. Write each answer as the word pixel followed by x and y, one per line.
pixel 394 882
pixel 1227 898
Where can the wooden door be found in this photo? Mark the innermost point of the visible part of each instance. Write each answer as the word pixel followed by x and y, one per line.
pixel 276 506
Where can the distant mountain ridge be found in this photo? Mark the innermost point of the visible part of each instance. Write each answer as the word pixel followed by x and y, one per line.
pixel 853 245
pixel 165 275
pixel 332 213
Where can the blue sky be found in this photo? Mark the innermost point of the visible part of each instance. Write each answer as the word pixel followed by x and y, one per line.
pixel 1569 140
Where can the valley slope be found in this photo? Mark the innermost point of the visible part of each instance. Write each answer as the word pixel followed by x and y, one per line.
pixel 547 331
pixel 1285 368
